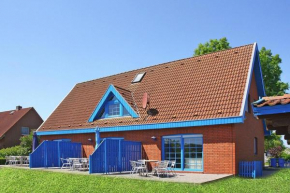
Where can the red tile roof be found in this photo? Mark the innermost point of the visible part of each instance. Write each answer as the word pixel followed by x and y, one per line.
pixel 10 118
pixel 274 100
pixel 203 87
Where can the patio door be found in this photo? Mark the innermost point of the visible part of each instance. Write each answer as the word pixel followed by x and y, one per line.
pixel 186 150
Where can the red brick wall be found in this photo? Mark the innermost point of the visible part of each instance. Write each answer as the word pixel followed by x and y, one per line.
pixel 219 148
pixel 246 132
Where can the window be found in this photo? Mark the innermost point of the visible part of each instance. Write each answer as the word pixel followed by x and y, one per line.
pixel 248 104
pixel 186 150
pixel 24 130
pixel 255 145
pixel 138 77
pixel 113 108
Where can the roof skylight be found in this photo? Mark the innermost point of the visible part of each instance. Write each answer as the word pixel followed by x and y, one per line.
pixel 138 77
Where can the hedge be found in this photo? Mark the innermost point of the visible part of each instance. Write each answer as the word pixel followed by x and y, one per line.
pixel 14 151
pixel 2 161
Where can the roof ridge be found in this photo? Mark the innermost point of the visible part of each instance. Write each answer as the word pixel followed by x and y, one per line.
pixel 164 63
pixel 15 110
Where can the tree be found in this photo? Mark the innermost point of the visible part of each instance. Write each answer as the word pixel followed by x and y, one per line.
pixel 271 73
pixel 212 46
pixel 270 65
pixel 273 141
pixel 26 141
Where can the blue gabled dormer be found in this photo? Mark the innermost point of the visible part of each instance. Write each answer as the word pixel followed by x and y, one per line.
pixel 112 105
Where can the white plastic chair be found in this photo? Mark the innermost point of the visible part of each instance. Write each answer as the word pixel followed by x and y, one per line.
pixel 172 167
pixel 162 168
pixel 66 163
pixel 138 167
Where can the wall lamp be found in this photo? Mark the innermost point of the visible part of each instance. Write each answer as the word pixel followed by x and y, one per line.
pixel 154 138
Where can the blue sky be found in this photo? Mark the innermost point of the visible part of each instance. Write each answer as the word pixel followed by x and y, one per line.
pixel 46 47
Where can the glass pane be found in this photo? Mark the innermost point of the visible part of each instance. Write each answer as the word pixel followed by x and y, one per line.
pixel 125 112
pixel 172 150
pixel 193 153
pixel 114 110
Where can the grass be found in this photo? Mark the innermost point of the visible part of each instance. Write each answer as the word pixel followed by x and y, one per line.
pixel 21 180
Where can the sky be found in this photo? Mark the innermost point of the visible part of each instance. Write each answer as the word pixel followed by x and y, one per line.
pixel 46 47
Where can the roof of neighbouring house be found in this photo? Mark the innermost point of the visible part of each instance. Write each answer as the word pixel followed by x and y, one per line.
pixel 9 118
pixel 203 87
pixel 272 101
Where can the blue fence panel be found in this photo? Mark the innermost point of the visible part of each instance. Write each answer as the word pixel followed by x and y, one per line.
pixel 114 155
pixel 36 158
pixel 130 151
pixel 250 169
pixel 49 153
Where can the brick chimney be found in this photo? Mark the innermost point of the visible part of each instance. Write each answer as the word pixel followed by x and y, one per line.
pixel 18 108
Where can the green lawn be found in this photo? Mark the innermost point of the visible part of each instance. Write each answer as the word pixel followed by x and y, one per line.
pixel 21 180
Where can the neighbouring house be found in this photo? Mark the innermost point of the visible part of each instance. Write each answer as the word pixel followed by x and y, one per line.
pixel 276 111
pixel 196 111
pixel 17 123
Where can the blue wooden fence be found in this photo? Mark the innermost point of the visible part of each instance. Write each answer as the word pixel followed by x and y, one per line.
pixel 250 169
pixel 114 155
pixel 49 153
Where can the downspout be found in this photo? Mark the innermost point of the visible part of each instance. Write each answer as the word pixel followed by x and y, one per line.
pixel 97 137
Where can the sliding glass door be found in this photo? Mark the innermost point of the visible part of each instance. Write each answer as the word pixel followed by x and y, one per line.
pixel 186 150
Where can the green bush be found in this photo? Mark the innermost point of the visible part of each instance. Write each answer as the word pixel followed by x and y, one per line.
pixel 24 149
pixel 2 161
pixel 16 151
pixel 285 156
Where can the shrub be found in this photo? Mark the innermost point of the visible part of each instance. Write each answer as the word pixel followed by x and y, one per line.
pixel 285 155
pixel 16 151
pixel 276 151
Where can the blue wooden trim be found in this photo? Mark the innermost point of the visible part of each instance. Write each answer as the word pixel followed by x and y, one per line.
pixel 168 125
pixel 112 90
pixel 106 168
pixel 90 165
pixel 58 150
pixel 97 138
pixel 194 123
pixel 269 110
pixel 162 149
pixel 259 75
pixel 63 132
pixel 182 152
pixel 266 132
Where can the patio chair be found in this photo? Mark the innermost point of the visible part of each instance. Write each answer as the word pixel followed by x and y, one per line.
pixel 78 164
pixel 172 167
pixel 162 168
pixel 66 163
pixel 25 160
pixel 14 160
pixel 7 160
pixel 137 167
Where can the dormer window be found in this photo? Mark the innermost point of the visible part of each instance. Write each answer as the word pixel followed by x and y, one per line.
pixel 112 105
pixel 113 108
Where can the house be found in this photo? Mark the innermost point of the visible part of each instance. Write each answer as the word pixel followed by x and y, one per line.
pixel 276 111
pixel 196 111
pixel 17 123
